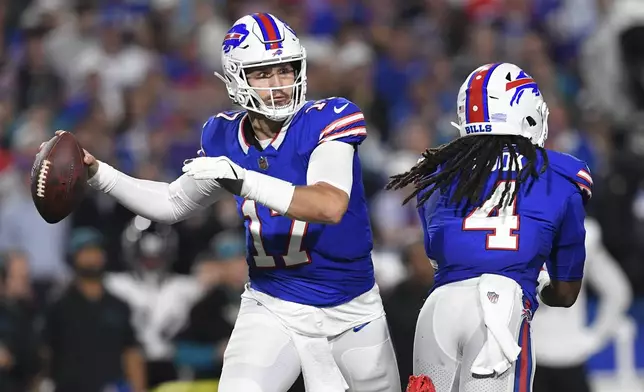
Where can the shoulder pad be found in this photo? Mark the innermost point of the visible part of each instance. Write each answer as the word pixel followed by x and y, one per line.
pixel 574 170
pixel 337 119
pixel 215 126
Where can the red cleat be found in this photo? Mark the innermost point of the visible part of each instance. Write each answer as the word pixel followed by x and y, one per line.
pixel 420 384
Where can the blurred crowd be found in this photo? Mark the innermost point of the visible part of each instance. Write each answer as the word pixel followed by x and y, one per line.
pixel 133 79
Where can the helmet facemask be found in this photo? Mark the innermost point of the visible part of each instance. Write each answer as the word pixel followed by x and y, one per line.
pixel 248 97
pixel 541 139
pixel 149 248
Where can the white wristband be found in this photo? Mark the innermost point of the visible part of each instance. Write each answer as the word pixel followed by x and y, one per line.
pixel 105 178
pixel 269 191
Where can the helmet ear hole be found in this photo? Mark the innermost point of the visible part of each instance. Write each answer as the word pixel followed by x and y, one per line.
pixel 531 121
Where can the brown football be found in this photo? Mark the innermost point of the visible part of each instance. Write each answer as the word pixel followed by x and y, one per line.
pixel 58 177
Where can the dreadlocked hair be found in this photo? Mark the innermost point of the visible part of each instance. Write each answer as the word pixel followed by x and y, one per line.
pixel 469 161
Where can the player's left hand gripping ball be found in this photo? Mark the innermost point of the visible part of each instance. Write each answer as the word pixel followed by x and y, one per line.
pixel 230 175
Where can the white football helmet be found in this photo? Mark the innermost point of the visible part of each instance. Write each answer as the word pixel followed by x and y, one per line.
pixel 502 99
pixel 262 40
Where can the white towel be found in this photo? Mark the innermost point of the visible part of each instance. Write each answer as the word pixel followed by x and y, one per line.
pixel 320 371
pixel 497 295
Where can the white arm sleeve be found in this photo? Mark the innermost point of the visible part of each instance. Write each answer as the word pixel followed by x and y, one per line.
pixel 332 162
pixel 157 201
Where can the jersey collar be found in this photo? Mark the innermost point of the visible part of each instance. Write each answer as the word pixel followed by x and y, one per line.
pixel 246 138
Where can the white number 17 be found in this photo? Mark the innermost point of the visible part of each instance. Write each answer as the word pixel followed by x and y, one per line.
pixel 293 254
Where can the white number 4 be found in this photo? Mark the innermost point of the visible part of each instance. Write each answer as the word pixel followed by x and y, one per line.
pixel 293 255
pixel 502 224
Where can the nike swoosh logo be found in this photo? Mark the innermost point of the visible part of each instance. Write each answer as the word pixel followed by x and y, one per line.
pixel 338 110
pixel 359 327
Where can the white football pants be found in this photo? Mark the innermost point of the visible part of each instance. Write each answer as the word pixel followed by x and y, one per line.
pixel 450 333
pixel 261 357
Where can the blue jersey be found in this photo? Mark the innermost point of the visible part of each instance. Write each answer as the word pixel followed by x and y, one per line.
pixel 308 263
pixel 544 224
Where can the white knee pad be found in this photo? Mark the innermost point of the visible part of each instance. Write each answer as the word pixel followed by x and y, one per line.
pixel 368 368
pixel 367 359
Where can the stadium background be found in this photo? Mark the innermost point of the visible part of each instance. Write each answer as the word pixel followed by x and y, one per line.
pixel 133 80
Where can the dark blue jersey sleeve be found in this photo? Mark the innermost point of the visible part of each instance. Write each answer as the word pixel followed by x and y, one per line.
pixel 574 170
pixel 340 119
pixel 568 255
pixel 207 136
pixel 218 131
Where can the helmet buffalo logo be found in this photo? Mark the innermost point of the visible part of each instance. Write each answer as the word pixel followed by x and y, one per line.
pixel 521 84
pixel 235 36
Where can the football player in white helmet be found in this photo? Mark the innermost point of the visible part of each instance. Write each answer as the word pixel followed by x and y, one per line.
pixel 257 47
pixel 494 206
pixel 312 304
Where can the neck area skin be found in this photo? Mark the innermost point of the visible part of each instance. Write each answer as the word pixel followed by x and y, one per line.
pixel 264 128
